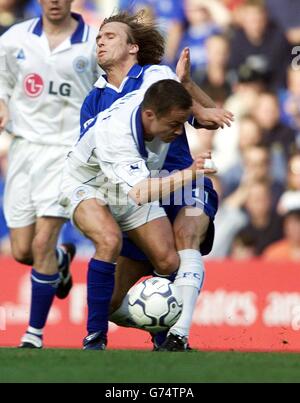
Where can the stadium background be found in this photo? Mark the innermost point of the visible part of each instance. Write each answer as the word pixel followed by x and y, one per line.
pixel 248 64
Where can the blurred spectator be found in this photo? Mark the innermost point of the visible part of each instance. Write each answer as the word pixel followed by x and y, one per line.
pixel 245 91
pixel 89 12
pixel 13 11
pixel 241 103
pixel 249 135
pixel 170 17
pixel 260 44
pixel 289 247
pixel 289 208
pixel 286 14
pixel 201 26
pixel 279 138
pixel 214 80
pixel 290 102
pixel 235 9
pixel 265 225
pixel 243 246
pixel 229 220
pixel 255 166
pixel 290 199
pixel 222 16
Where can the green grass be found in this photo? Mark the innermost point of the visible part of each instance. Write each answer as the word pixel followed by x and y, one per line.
pixel 147 367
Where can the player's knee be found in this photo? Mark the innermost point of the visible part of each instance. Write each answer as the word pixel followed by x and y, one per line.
pixel 41 245
pixel 168 263
pixel 110 241
pixel 22 255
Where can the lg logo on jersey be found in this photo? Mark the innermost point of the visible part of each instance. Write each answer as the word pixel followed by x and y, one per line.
pixel 34 86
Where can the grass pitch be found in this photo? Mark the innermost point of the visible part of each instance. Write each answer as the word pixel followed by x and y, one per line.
pixel 146 367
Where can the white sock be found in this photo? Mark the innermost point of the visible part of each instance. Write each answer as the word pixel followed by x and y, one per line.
pixel 36 332
pixel 189 281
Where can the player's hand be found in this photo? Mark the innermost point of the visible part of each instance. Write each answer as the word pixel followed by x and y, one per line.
pixel 204 164
pixel 183 68
pixel 4 115
pixel 214 118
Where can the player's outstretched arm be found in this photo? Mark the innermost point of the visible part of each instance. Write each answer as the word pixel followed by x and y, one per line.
pixel 4 114
pixel 183 71
pixel 150 190
pixel 204 108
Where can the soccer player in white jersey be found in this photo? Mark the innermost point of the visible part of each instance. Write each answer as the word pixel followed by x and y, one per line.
pixel 126 48
pixel 122 145
pixel 47 66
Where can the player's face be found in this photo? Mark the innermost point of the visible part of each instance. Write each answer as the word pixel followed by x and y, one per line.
pixel 113 47
pixel 56 10
pixel 168 128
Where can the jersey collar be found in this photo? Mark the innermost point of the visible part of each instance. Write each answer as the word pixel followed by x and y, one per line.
pixel 79 36
pixel 135 72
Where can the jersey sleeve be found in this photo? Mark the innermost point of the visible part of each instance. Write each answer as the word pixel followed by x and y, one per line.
pixel 126 174
pixel 157 73
pixel 7 80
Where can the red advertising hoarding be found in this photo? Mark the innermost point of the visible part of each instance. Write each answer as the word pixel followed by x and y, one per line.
pixel 244 306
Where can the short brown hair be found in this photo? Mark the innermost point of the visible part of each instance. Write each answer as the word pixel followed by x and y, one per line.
pixel 166 95
pixel 144 34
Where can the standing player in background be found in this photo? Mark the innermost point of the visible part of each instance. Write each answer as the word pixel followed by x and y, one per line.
pixel 127 50
pixel 47 66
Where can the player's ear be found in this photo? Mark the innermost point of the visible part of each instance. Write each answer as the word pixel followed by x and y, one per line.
pixel 150 114
pixel 134 49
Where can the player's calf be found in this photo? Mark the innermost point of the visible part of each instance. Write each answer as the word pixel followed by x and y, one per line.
pixel 97 223
pixel 21 244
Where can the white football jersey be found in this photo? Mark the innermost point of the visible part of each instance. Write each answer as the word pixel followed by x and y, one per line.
pixel 113 148
pixel 45 89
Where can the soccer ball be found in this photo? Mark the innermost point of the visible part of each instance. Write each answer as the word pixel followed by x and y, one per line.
pixel 155 304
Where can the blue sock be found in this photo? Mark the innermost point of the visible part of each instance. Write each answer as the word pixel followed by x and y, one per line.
pixel 43 293
pixel 160 337
pixel 101 282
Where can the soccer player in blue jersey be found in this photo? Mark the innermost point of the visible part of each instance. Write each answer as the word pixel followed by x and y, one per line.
pixel 129 52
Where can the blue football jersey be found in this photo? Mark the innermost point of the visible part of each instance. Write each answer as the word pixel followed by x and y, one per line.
pixel 104 95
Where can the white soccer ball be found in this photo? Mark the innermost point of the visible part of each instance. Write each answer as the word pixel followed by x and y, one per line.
pixel 155 304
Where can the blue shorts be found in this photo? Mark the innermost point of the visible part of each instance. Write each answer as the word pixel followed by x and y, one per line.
pixel 200 195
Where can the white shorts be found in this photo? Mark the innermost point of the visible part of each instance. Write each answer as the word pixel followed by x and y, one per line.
pixel 129 216
pixel 33 183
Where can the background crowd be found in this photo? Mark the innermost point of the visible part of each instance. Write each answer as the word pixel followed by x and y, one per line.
pixel 246 56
